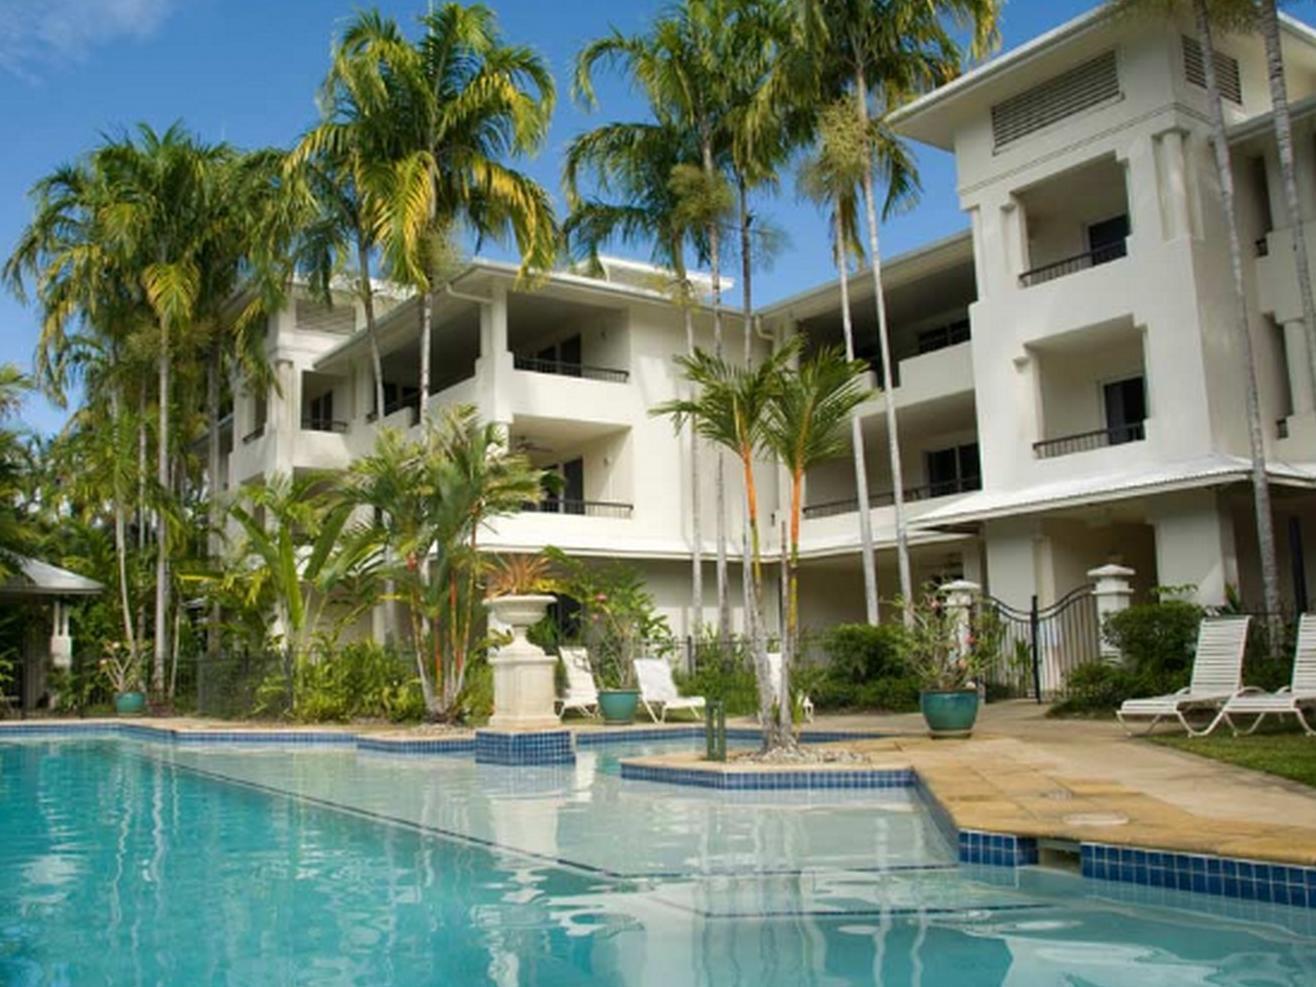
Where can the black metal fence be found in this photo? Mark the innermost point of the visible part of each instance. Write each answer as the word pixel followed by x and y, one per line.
pixel 1040 646
pixel 234 685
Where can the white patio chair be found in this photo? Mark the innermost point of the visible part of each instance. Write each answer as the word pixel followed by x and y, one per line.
pixel 1293 697
pixel 658 689
pixel 582 694
pixel 1217 677
pixel 774 673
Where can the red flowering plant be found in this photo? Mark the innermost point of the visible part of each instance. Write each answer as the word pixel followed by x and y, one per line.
pixel 944 651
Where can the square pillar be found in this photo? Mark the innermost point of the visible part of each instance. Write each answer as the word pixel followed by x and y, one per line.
pixel 1195 544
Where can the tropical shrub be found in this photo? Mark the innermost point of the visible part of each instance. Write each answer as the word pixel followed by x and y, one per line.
pixel 362 680
pixel 858 653
pixel 1099 687
pixel 1157 640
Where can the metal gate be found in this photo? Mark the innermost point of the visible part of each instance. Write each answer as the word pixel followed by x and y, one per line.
pixel 1040 645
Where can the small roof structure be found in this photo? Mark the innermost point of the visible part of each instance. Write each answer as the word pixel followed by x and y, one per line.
pixel 37 578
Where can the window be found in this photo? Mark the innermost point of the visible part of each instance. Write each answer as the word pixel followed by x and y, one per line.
pixel 1126 410
pixel 320 411
pixel 1106 239
pixel 565 355
pixel 930 340
pixel 1089 84
pixel 954 470
pixel 1226 70
pixel 568 495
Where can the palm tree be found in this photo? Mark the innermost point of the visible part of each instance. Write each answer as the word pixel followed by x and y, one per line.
pixel 882 52
pixel 14 531
pixel 631 164
pixel 430 499
pixel 806 425
pixel 462 100
pixel 296 551
pixel 681 66
pixel 731 409
pixel 1268 17
pixel 831 177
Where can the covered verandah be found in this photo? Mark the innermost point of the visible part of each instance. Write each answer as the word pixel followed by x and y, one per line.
pixel 41 585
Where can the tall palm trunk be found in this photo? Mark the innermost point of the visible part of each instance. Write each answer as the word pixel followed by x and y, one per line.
pixel 884 344
pixel 866 554
pixel 791 638
pixel 1256 440
pixel 368 304
pixel 121 532
pixel 754 605
pixel 141 507
pixel 719 475
pixel 1279 100
pixel 696 525
pixel 212 468
pixel 747 303
pixel 161 654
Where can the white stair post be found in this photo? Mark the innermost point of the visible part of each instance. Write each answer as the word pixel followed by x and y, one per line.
pixel 1113 591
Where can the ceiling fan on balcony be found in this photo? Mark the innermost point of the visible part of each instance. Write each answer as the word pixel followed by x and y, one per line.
pixel 528 446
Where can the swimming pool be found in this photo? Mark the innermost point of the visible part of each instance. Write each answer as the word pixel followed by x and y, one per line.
pixel 137 862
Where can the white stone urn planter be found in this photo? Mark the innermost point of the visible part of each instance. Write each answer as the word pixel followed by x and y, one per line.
pixel 523 675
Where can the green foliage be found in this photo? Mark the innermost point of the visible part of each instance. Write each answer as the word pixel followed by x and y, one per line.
pixel 861 652
pixel 362 680
pixel 618 621
pixel 934 652
pixel 1097 687
pixel 475 703
pixel 1157 640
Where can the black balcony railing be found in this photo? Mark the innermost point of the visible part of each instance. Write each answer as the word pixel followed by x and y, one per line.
pixel 316 424
pixel 1070 265
pixel 587 508
pixel 254 434
pixel 886 498
pixel 393 406
pixel 562 369
pixel 1083 441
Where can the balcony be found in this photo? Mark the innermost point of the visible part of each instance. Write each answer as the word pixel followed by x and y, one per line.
pixel 254 434
pixel 886 498
pixel 581 508
pixel 1085 441
pixel 1071 265
pixel 317 424
pixel 562 368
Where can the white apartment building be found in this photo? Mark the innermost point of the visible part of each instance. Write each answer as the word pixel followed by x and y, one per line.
pixel 1068 380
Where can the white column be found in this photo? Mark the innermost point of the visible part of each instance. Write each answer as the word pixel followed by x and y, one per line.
pixel 1174 184
pixel 1195 545
pixel 1113 592
pixel 960 596
pixel 1295 352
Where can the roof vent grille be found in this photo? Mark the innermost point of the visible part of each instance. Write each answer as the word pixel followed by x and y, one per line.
pixel 1226 70
pixel 1094 82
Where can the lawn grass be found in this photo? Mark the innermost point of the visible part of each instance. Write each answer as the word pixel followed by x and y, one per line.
pixel 1288 755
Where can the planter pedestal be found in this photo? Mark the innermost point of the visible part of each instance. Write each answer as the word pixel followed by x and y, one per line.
pixel 523 676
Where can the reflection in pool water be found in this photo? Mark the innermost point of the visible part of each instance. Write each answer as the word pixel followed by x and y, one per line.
pixel 122 862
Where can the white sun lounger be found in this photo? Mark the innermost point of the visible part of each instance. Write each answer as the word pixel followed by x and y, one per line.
pixel 1290 699
pixel 582 694
pixel 1217 677
pixel 658 689
pixel 774 673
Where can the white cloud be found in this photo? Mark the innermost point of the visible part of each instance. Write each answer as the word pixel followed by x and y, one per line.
pixel 35 33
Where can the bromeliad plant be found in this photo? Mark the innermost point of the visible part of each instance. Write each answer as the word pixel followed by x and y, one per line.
pixel 520 575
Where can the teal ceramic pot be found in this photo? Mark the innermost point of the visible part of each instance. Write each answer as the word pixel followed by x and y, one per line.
pixel 618 705
pixel 130 703
pixel 951 712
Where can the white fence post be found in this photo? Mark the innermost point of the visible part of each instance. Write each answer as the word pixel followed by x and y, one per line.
pixel 1113 592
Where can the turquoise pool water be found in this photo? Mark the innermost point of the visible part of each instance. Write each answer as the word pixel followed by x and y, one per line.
pixel 141 863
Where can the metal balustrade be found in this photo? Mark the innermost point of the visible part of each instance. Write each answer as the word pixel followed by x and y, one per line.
pixel 1070 265
pixel 561 368
pixel 586 508
pixel 1083 441
pixel 254 434
pixel 886 498
pixel 323 425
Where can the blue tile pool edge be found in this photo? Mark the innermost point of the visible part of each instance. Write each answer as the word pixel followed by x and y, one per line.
pixel 1226 877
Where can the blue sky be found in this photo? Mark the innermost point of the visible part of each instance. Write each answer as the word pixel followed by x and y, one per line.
pixel 246 71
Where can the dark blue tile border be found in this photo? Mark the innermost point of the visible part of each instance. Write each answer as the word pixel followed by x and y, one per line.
pixel 1229 877
pixel 535 747
pixel 784 780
